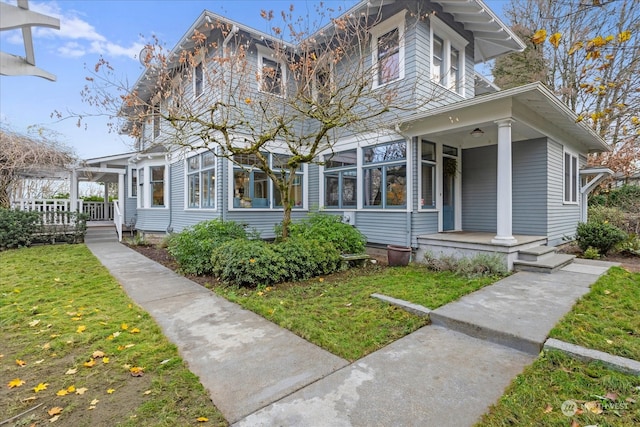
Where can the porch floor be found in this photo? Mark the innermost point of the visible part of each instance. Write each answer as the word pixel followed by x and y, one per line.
pixel 479 237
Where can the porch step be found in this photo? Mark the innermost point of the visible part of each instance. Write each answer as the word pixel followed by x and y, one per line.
pixel 101 234
pixel 549 263
pixel 536 253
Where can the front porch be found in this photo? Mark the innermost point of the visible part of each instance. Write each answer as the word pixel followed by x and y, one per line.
pixel 470 243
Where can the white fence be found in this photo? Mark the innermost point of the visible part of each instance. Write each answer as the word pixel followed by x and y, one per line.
pixel 51 209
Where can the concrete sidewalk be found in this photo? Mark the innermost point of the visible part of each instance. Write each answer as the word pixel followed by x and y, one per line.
pixel 259 374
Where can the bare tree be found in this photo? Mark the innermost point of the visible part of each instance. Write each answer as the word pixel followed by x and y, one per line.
pixel 35 156
pixel 593 57
pixel 305 93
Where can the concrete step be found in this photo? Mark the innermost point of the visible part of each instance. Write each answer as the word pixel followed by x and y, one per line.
pixel 535 253
pixel 546 264
pixel 518 311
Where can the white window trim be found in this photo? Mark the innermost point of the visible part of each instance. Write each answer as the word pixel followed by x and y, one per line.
pixel 144 187
pixel 435 165
pixel 186 182
pixel 576 177
pixel 195 94
pixel 390 24
pixel 265 52
pixel 130 182
pixel 449 38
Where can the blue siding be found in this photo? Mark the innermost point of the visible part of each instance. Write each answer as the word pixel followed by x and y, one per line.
pixel 479 183
pixel 529 184
pixel 563 218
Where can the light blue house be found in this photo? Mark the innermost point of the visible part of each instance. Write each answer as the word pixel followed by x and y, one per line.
pixel 477 169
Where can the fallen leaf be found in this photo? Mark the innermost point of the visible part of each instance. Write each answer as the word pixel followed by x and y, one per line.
pixel 609 342
pixel 71 388
pixel 607 292
pixel 81 391
pixel 76 318
pixel 611 396
pixel 105 360
pixel 574 423
pixel 28 399
pixel 15 383
pixel 116 334
pixel 34 322
pixel 135 331
pixel 90 363
pixel 40 387
pixel 124 326
pixel 92 408
pixel 94 402
pixel 129 345
pixel 57 279
pixel 630 400
pixel 548 409
pixel 110 391
pixel 46 346
pixel 71 371
pixel 54 411
pixel 62 392
pixel 97 354
pixel 37 362
pixel 147 392
pixel 54 419
pixel 136 371
pixel 20 362
pixel 81 329
pixel 202 419
pixel 593 407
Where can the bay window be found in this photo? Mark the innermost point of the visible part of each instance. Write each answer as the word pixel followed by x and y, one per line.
pixel 201 175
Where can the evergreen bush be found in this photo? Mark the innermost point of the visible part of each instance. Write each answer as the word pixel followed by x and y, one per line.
pixel 329 228
pixel 600 236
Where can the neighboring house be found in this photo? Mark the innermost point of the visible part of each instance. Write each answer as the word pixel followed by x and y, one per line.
pixel 503 169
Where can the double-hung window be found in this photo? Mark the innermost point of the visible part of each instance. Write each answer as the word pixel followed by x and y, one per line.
pixel 272 73
pixel 447 56
pixel 570 178
pixel 385 175
pixel 201 179
pixel 340 180
pixel 250 185
pixel 133 187
pixel 157 185
pixel 198 80
pixel 427 175
pixel 388 50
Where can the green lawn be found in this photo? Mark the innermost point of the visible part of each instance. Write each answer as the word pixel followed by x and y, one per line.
pixel 337 312
pixel 608 317
pixel 74 343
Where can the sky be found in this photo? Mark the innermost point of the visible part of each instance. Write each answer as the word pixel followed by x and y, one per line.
pixel 116 30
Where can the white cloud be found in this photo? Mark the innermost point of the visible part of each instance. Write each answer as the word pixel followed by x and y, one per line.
pixel 113 49
pixel 72 50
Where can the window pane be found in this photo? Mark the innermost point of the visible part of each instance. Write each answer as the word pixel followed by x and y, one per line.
pixel 208 189
pixel 454 75
pixel 246 159
pixel 260 193
pixel 193 164
pixel 158 193
pixel 451 151
pixel 384 153
pixel 567 177
pixel 295 195
pixel 134 182
pixel 157 173
pixel 194 191
pixel 428 151
pixel 427 198
pixel 396 185
pixel 349 185
pixel 198 79
pixel 331 189
pixel 574 179
pixel 437 55
pixel 271 76
pixel 373 187
pixel 241 192
pixel 389 57
pixel 343 158
pixel 208 160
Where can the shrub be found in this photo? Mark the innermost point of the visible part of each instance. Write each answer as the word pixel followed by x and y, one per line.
pixel 591 253
pixel 329 228
pixel 604 214
pixel 601 236
pixel 479 265
pixel 17 227
pixel 245 262
pixel 192 247
pixel 307 258
pixel 630 246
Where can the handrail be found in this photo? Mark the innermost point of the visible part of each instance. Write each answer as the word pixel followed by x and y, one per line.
pixel 117 219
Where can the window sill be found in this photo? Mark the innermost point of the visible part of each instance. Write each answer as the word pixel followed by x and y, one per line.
pixel 376 85
pixel 448 89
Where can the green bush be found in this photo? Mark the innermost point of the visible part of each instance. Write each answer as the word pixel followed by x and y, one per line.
pixel 602 214
pixel 591 253
pixel 329 228
pixel 307 258
pixel 17 228
pixel 193 246
pixel 245 262
pixel 482 264
pixel 630 246
pixel 601 236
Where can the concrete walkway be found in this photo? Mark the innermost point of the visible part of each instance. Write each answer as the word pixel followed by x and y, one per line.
pixel 259 374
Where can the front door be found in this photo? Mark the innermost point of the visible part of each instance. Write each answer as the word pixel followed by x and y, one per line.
pixel 448 193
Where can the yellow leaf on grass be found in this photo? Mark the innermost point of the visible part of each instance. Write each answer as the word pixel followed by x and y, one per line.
pixel 147 392
pixel 20 362
pixel 96 354
pixel 548 409
pixel 54 411
pixel 76 318
pixel 62 392
pixel 81 391
pixel 90 363
pixel 34 322
pixel 110 391
pixel 129 345
pixel 71 388
pixel 52 419
pixel 94 402
pixel 105 360
pixel 202 419
pixel 46 346
pixel 71 371
pixel 594 407
pixel 135 331
pixel 15 383
pixel 40 387
pixel 124 326
pixel 81 329
pixel 37 362
pixel 136 371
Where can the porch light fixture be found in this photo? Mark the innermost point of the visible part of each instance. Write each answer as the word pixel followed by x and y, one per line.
pixel 477 133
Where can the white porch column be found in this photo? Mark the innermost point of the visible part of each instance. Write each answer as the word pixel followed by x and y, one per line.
pixel 504 234
pixel 121 202
pixel 73 191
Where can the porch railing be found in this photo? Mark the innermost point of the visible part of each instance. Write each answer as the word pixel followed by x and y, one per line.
pixel 52 210
pixel 98 211
pixel 117 219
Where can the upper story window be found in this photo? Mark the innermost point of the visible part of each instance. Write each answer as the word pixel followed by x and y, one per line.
pixel 201 180
pixel 388 50
pixel 570 178
pixel 198 80
pixel 271 72
pixel 447 56
pixel 156 121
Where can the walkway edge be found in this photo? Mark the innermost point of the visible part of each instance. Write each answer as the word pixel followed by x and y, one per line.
pixel 621 364
pixel 417 309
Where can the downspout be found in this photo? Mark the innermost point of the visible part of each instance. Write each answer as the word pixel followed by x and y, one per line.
pixel 234 31
pixel 223 199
